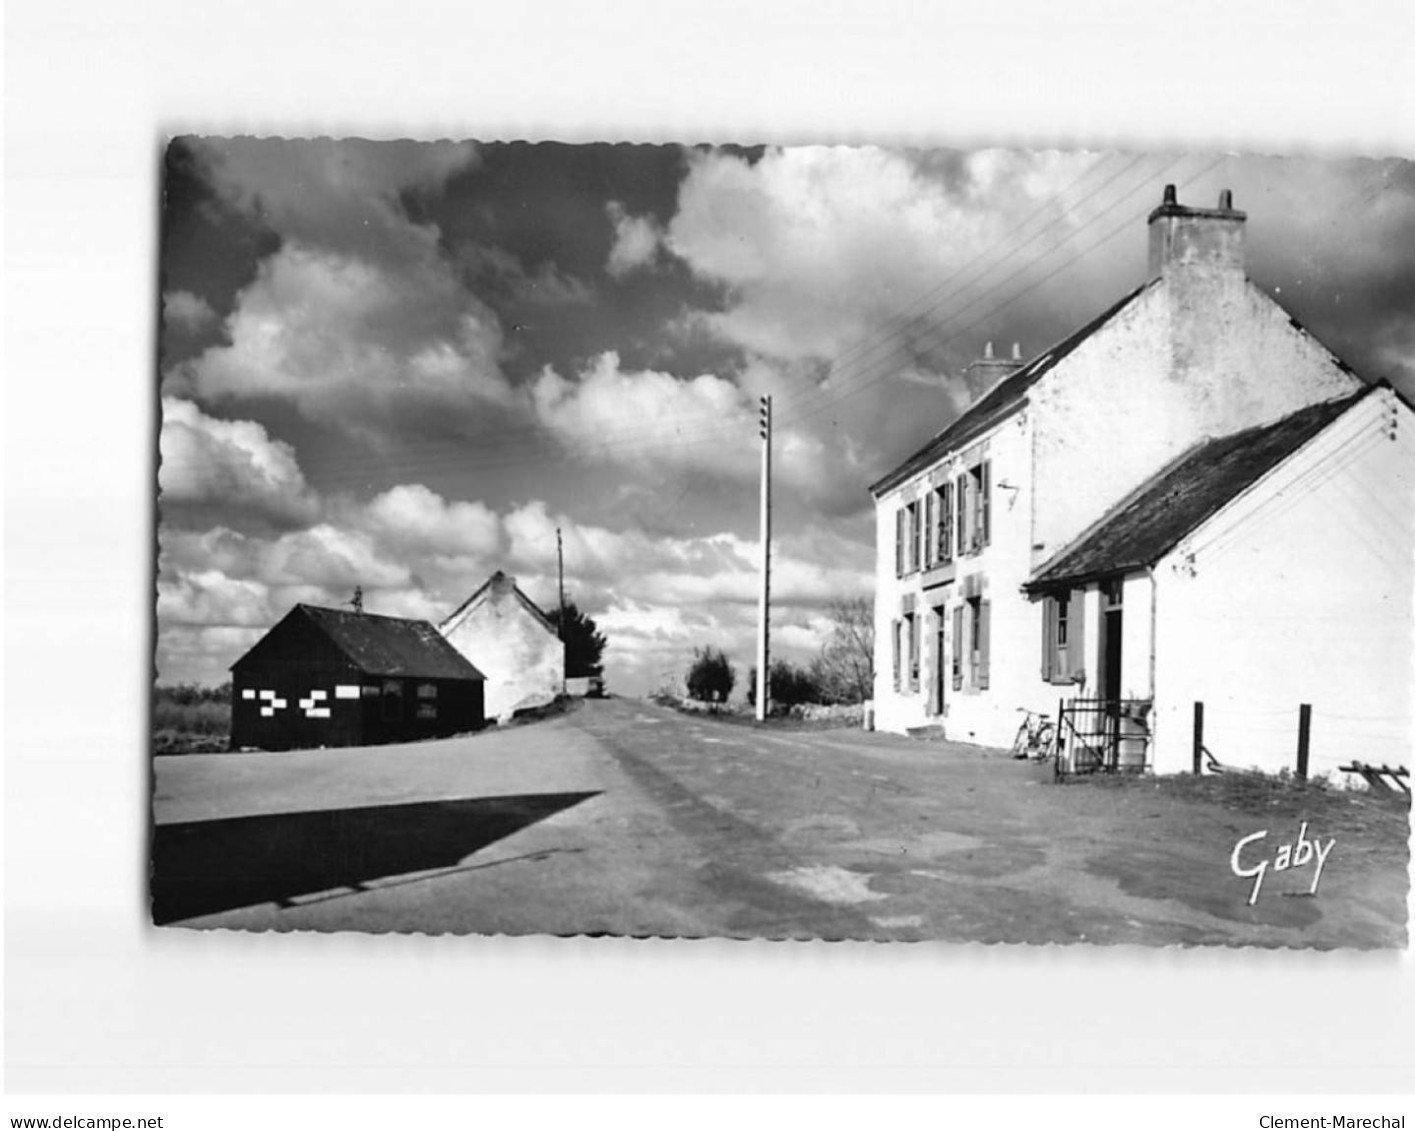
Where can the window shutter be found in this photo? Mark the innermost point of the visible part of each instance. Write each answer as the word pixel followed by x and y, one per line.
pixel 913 622
pixel 957 647
pixel 985 505
pixel 984 640
pixel 945 533
pixel 960 488
pixel 1076 633
pixel 1048 638
pixel 899 516
pixel 928 531
pixel 894 639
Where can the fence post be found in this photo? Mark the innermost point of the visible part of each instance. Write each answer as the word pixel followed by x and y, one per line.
pixel 1198 738
pixel 1304 738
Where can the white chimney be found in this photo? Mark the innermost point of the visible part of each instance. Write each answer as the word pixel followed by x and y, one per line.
pixel 1203 239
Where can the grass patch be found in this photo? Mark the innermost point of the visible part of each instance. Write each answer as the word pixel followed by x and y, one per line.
pixel 1256 794
pixel 187 719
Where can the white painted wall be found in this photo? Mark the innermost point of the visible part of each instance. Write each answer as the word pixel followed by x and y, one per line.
pixel 1302 590
pixel 991 716
pixel 524 663
pixel 1198 354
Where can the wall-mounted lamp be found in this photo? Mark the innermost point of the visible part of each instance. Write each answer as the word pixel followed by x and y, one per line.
pixel 1004 485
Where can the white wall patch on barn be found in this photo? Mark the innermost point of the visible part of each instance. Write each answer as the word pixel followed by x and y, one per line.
pixel 248 693
pixel 346 691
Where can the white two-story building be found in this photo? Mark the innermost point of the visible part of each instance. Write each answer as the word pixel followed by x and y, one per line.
pixel 970 626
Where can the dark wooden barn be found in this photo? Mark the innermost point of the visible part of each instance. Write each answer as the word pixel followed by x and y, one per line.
pixel 327 677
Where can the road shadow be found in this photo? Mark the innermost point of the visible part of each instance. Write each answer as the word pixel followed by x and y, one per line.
pixel 202 867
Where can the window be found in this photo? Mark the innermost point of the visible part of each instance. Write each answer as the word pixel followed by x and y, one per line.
pixel 979 614
pixel 943 508
pixel 894 632
pixel 960 493
pixel 1063 638
pixel 930 542
pixel 911 532
pixel 977 489
pixel 957 647
pixel 427 691
pixel 911 627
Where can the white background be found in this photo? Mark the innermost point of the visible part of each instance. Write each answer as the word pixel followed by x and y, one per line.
pixel 98 1001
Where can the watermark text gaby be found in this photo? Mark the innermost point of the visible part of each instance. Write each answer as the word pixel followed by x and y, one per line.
pixel 1249 861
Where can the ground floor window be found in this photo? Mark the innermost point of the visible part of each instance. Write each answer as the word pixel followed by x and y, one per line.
pixel 1063 635
pixel 972 643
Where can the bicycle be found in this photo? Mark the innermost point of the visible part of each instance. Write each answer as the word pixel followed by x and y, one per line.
pixel 1036 737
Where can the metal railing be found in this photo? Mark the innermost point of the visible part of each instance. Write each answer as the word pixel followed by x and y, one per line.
pixel 1104 736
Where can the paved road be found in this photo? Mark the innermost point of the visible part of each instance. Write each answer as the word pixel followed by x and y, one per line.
pixel 626 818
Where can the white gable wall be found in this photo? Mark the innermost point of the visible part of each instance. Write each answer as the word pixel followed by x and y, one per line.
pixel 1300 591
pixel 1199 354
pixel 523 661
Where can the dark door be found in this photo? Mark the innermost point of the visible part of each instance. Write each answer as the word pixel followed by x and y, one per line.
pixel 940 660
pixel 1110 687
pixel 1111 690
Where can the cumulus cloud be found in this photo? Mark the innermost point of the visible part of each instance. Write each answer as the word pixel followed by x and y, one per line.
pixel 356 345
pixel 228 467
pixel 704 422
pixel 184 311
pixel 637 241
pixel 358 318
pixel 336 194
pixel 820 247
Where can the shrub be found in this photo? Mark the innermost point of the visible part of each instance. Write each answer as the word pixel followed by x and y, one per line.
pixel 711 676
pixel 789 686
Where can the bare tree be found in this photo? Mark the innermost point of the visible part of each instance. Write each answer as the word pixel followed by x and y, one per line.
pixel 846 664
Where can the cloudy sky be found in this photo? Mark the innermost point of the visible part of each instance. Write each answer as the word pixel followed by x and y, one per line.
pixel 404 365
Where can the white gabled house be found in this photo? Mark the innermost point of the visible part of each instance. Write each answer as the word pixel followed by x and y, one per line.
pixel 518 648
pixel 1260 571
pixel 968 526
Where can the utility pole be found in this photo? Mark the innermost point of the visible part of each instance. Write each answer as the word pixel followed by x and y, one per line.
pixel 560 559
pixel 764 612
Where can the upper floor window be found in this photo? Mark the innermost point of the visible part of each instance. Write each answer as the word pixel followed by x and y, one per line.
pixel 907 530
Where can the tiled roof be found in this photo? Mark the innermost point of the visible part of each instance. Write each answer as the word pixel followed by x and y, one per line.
pixel 1150 522
pixel 1003 398
pixel 391 646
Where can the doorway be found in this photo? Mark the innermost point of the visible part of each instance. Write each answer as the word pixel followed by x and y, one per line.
pixel 940 660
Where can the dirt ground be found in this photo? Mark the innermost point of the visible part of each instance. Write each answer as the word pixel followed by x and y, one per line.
pixel 623 817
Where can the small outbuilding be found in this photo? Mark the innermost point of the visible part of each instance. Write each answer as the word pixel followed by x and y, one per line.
pixel 328 677
pixel 505 634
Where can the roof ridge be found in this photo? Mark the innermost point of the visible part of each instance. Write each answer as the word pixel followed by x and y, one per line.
pixel 956 431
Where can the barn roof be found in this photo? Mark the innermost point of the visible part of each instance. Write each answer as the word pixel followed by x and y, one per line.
pixel 391 646
pixel 997 403
pixel 1150 522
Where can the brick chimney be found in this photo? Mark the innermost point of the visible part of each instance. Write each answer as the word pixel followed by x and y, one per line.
pixel 1204 239
pixel 989 369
